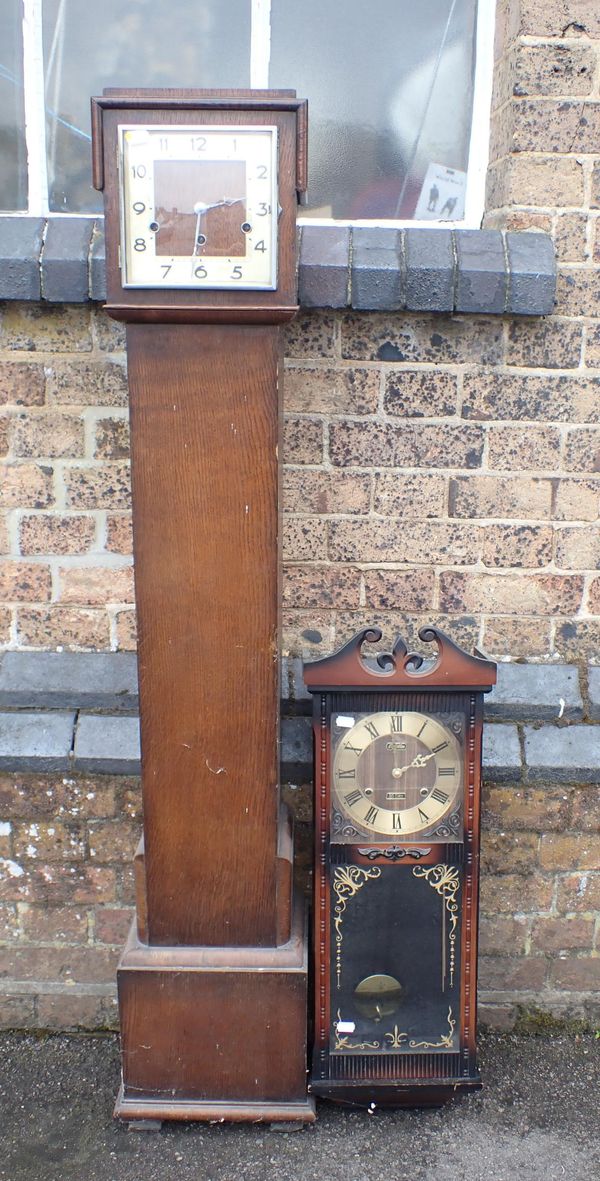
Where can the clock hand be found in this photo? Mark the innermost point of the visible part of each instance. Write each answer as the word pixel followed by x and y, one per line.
pixel 202 207
pixel 418 761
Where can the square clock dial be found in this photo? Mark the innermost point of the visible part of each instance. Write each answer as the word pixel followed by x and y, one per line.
pixel 198 206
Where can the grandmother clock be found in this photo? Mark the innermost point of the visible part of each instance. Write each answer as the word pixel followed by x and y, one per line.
pixel 398 773
pixel 200 191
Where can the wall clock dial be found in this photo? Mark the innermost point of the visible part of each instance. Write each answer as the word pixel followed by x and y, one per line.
pixel 396 773
pixel 199 206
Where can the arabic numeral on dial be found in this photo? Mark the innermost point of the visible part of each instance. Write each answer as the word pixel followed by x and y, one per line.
pixel 198 143
pixel 263 209
pixel 138 207
pixel 139 245
pixel 139 170
pixel 236 273
pixel 262 171
pixel 261 246
pixel 165 268
pixel 163 143
pixel 200 272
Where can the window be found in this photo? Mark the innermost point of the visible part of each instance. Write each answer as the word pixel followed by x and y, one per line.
pixel 398 92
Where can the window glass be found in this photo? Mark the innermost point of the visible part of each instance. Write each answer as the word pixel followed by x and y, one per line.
pixel 137 43
pixel 390 90
pixel 13 172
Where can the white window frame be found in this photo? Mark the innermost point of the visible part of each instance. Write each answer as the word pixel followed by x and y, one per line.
pixel 260 45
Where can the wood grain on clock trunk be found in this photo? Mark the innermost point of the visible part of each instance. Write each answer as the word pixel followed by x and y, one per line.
pixel 204 479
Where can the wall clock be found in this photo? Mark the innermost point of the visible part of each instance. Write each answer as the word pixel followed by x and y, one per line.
pixel 397 774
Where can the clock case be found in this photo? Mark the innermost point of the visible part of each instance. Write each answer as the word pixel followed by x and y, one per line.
pixel 406 909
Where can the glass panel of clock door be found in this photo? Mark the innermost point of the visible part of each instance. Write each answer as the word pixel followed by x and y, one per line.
pixel 395 956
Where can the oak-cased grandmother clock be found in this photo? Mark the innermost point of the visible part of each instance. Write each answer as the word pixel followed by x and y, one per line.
pixel 200 191
pixel 397 787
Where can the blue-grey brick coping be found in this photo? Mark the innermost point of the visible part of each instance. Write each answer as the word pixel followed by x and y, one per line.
pixel 107 744
pixel 501 753
pixel 529 692
pixel 369 269
pixel 36 741
pixel 594 691
pixel 556 754
pixel 104 681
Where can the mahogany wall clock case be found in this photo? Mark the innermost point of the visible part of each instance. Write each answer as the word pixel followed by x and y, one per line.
pixel 200 192
pixel 397 790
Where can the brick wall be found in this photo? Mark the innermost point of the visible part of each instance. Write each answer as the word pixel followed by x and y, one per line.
pixel 437 469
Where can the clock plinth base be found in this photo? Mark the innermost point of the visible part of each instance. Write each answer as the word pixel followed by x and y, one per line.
pixel 301 1112
pixel 417 1093
pixel 211 1033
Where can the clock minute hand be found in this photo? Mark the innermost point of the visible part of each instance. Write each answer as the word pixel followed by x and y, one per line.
pixel 202 207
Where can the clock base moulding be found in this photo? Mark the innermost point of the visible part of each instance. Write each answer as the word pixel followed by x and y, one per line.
pixel 214 1033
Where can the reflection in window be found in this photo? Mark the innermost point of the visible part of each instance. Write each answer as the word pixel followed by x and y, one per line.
pixel 144 43
pixel 13 173
pixel 390 89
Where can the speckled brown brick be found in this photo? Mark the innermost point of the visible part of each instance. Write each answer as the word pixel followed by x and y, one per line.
pixel 502 935
pixel 24 582
pixel 310 491
pixel 49 433
pixel 578 291
pixel 26 485
pixel 314 390
pixel 56 884
pixel 511 594
pixel 86 383
pixel 304 539
pixel 551 344
pixel 94 585
pixel 578 548
pixel 302 440
pixel 374 444
pixel 422 542
pixel 515 448
pixel 311 335
pixel 421 394
pixel 515 893
pixel 126 631
pixel 321 586
pixel 526 808
pixel 517 545
pixel 29 797
pixel 570 237
pixel 582 450
pixel 307 633
pixel 48 328
pixel 111 438
pixel 113 840
pixel 550 935
pixel 500 496
pixel 592 346
pixel 103 486
pixel 555 69
pixel 437 339
pixel 417 495
pixel 22 383
pixel 50 924
pixel 404 590
pixel 548 125
pixel 46 533
pixel 595 202
pixel 553 397
pixel 505 636
pixel 52 841
pixel 594 591
pixel 119 533
pixel 66 627
pixel 108 335
pixel 577 500
pixel 515 852
pixel 556 18
pixel 577 639
pixel 536 180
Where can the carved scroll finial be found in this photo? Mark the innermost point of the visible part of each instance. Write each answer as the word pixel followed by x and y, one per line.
pixel 448 667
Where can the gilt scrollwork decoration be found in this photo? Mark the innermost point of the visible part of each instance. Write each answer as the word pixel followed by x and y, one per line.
pixel 445 1040
pixel 445 881
pixel 347 881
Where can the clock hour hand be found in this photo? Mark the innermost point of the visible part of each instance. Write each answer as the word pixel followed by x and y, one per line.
pixel 202 207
